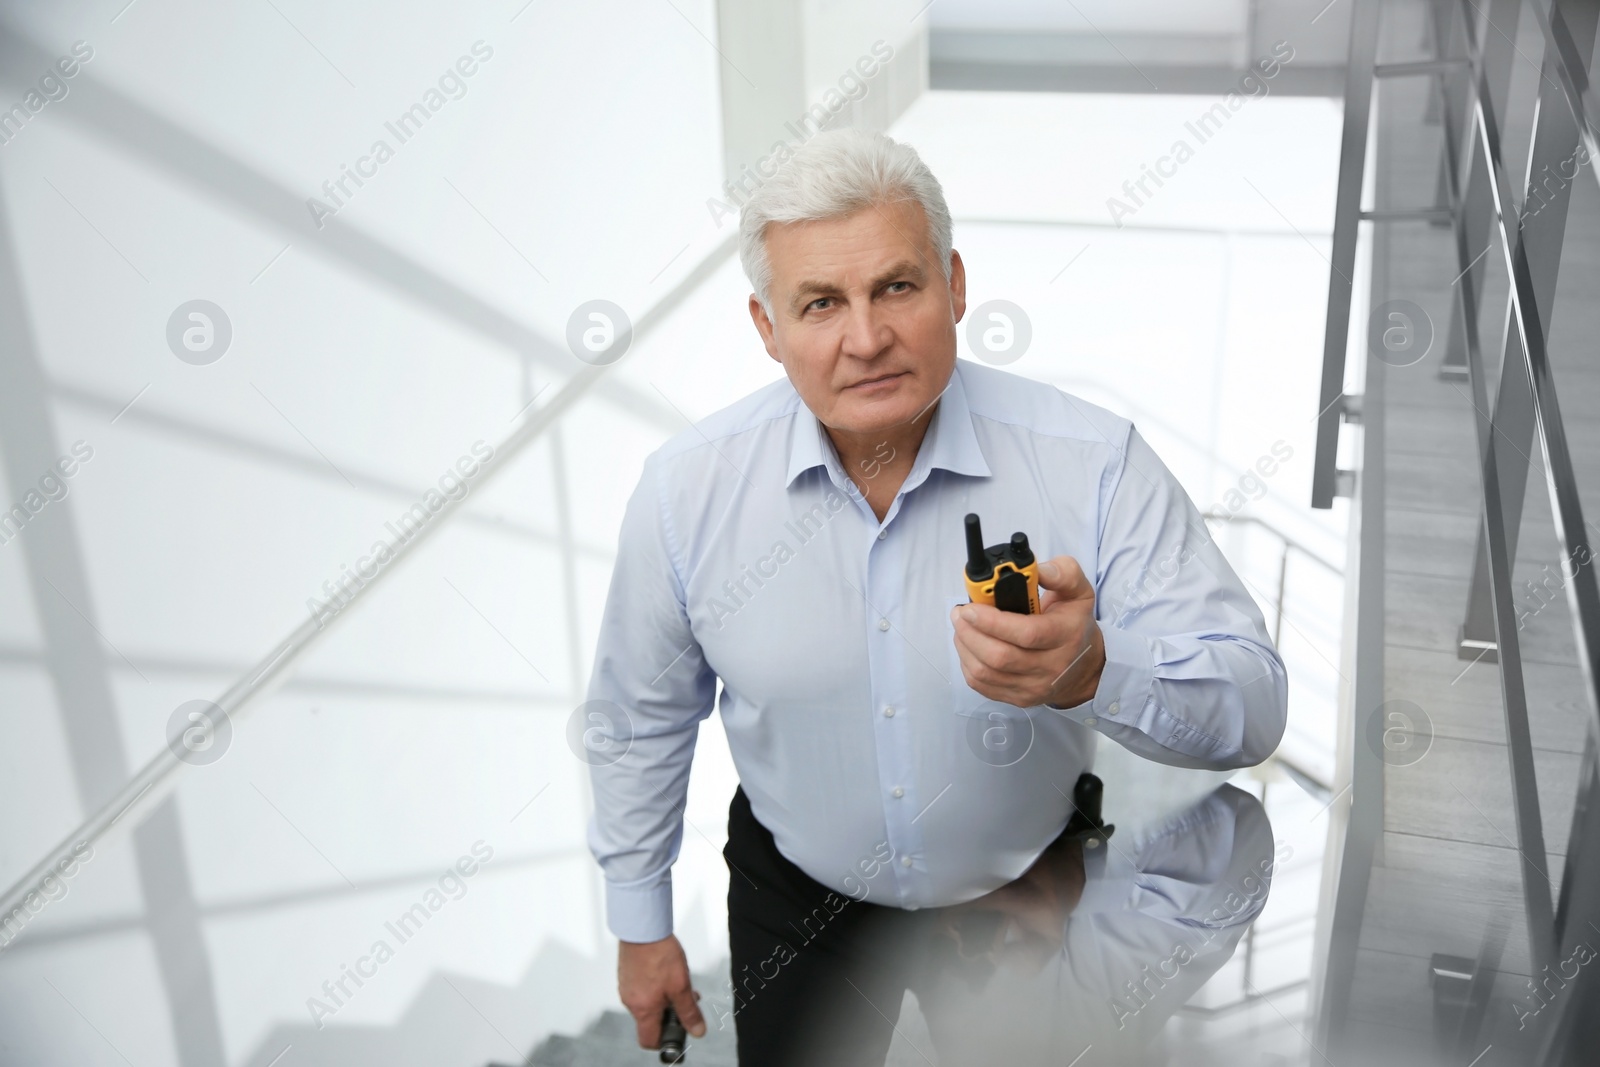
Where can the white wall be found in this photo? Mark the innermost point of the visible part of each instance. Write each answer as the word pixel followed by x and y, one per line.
pixel 367 356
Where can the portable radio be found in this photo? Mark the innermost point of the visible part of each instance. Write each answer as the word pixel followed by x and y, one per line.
pixel 1005 575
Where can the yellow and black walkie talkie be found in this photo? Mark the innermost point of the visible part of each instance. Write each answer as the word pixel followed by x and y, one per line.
pixel 1005 575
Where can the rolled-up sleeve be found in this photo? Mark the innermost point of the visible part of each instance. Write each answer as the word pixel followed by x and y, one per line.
pixel 649 690
pixel 1191 677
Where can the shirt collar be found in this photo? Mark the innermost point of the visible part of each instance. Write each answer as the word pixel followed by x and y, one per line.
pixel 951 442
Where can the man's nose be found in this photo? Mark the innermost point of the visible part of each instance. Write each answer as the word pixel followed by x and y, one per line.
pixel 866 334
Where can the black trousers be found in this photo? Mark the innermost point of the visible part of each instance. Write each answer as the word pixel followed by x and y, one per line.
pixel 818 978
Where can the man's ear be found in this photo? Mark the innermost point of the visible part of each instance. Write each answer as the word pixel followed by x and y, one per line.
pixel 958 285
pixel 758 315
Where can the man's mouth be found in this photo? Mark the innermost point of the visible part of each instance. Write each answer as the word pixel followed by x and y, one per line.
pixel 879 380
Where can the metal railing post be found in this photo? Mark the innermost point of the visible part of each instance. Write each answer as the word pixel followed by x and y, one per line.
pixel 1498 54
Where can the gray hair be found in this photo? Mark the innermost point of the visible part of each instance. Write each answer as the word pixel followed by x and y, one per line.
pixel 834 174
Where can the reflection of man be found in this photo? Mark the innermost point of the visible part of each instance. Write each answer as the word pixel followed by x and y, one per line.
pixel 896 747
pixel 1095 947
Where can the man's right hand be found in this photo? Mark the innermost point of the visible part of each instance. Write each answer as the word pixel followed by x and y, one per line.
pixel 650 976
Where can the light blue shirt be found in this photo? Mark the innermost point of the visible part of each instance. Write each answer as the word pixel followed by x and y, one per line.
pixel 747 555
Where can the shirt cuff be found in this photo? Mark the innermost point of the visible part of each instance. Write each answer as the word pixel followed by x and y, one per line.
pixel 1125 680
pixel 640 912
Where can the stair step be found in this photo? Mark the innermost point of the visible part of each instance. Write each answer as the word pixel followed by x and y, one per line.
pixel 609 1042
pixel 612 1026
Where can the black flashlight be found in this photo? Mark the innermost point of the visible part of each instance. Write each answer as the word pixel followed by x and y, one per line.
pixel 674 1040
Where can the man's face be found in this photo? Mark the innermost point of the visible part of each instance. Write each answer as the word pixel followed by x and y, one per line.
pixel 863 320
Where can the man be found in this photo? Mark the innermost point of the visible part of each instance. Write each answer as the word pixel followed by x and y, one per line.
pixel 897 747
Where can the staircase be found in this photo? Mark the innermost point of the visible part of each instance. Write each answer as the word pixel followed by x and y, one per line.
pixel 609 1042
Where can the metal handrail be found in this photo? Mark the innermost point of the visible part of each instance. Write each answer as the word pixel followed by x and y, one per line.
pixel 1308 780
pixel 1289 544
pixel 1484 150
pixel 1476 186
pixel 1353 832
pixel 1575 84
pixel 1136 412
pixel 1563 484
pixel 1560 472
pixel 1331 408
pixel 157 777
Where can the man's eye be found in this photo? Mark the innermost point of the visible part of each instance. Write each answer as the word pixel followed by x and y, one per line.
pixel 899 287
pixel 817 304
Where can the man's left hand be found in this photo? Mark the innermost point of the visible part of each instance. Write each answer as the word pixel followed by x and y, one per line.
pixel 1052 658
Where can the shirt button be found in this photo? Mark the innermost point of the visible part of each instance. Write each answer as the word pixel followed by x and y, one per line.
pixel 1090 721
pixel 888 713
pixel 1111 708
pixel 882 534
pixel 883 624
pixel 905 861
pixel 898 792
